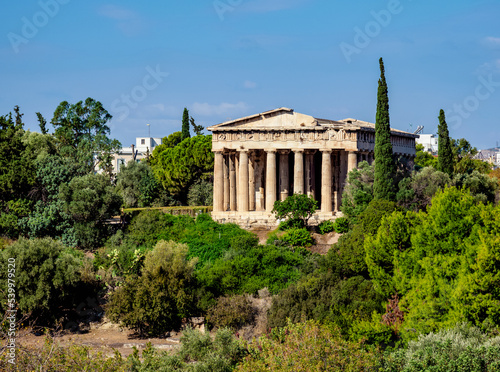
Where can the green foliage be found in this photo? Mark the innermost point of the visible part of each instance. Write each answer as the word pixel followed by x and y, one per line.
pixel 350 245
pixel 246 271
pixel 295 207
pixel 417 191
pixel 47 277
pixel 326 227
pixel 298 238
pixel 201 194
pixel 180 167
pixel 198 352
pixel 462 348
pixel 331 294
pixel 483 187
pixel 90 200
pixel 445 154
pixel 464 161
pixel 63 359
pixel 82 133
pixel 155 302
pixel 232 312
pixel 341 225
pixel 385 167
pixel 437 261
pixel 372 331
pixel 137 185
pixel 358 191
pixel 308 347
pixel 185 124
pixel 423 158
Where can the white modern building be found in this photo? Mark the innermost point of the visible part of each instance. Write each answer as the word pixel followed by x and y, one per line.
pixel 143 146
pixel 429 141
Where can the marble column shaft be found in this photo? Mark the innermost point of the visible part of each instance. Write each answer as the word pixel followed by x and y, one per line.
pixel 243 182
pixel 326 181
pixel 270 180
pixel 298 172
pixel 218 182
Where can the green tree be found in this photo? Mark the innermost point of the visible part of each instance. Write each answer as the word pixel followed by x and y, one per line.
pixel 197 129
pixel 445 155
pixel 17 174
pixel 178 168
pixel 464 153
pixel 90 200
pixel 137 185
pixel 296 208
pixel 42 123
pixel 358 191
pixel 82 132
pixel 47 277
pixel 156 301
pixel 185 124
pixel 385 167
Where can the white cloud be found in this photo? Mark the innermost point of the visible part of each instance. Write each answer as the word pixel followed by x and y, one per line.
pixel 223 109
pixel 492 42
pixel 248 84
pixel 116 12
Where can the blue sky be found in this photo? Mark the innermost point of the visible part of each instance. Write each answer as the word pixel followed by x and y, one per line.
pixel 223 59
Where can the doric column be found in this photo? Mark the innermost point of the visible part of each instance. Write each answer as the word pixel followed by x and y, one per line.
pixel 352 161
pixel 284 182
pixel 232 182
pixel 251 181
pixel 243 182
pixel 270 180
pixel 298 172
pixel 226 183
pixel 310 174
pixel 218 181
pixel 326 181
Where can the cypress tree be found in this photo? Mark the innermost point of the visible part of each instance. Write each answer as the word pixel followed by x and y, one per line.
pixel 185 124
pixel 385 167
pixel 445 153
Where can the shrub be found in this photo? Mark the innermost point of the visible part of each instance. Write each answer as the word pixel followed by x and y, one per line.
pixel 326 227
pixel 231 312
pixel 341 225
pixel 155 302
pixel 462 348
pixel 295 207
pixel 308 347
pixel 47 277
pixel 198 352
pixel 298 238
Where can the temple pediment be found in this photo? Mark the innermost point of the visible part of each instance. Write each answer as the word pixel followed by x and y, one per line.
pixel 282 118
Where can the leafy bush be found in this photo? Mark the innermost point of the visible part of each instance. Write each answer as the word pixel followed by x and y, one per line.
pixel 201 193
pixel 297 207
pixel 231 312
pixel 298 238
pixel 247 271
pixel 341 225
pixel 462 348
pixel 156 302
pixel 47 277
pixel 198 352
pixel 308 347
pixel 358 191
pixel 326 227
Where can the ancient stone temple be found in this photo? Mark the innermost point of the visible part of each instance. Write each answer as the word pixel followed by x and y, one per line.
pixel 269 156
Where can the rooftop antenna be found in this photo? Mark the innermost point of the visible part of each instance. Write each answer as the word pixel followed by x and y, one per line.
pixel 149 130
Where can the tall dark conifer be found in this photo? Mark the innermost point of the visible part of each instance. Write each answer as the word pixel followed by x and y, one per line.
pixel 385 167
pixel 445 153
pixel 185 124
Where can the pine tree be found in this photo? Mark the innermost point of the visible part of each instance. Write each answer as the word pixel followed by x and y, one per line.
pixel 385 167
pixel 445 153
pixel 185 124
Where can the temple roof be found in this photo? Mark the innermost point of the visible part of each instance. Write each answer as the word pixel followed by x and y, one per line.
pixel 286 118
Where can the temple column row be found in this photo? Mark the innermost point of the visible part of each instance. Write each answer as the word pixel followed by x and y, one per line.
pixel 235 179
